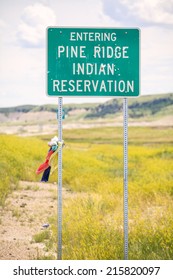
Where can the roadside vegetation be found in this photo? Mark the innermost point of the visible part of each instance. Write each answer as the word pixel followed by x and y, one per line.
pixel 93 177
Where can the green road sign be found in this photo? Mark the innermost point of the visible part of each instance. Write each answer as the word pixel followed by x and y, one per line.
pixel 92 62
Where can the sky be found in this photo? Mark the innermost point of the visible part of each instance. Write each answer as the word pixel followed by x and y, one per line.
pixel 23 42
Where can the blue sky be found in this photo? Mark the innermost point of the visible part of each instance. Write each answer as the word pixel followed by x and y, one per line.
pixel 23 39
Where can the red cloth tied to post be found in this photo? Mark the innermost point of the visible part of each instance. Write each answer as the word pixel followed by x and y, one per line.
pixel 45 164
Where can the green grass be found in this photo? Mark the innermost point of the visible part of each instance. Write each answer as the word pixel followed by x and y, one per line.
pixel 42 236
pixel 114 135
pixel 19 159
pixel 93 172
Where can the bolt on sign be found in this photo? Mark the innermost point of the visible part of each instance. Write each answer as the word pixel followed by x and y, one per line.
pixel 93 62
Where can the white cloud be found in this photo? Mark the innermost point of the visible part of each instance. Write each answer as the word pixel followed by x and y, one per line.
pixel 34 20
pixel 156 59
pixel 88 13
pixel 23 70
pixel 155 19
pixel 146 12
pixel 153 11
pixel 2 23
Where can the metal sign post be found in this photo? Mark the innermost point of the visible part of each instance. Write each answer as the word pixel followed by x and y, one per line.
pixel 60 180
pixel 125 113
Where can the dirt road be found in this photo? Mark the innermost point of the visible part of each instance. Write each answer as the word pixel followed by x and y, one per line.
pixel 26 211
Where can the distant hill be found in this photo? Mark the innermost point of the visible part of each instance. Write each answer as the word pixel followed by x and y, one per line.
pixel 17 109
pixel 138 108
pixel 46 107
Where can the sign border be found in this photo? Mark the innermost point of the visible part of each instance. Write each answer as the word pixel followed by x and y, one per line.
pixel 92 96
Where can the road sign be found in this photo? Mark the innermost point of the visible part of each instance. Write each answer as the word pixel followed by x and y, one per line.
pixel 93 62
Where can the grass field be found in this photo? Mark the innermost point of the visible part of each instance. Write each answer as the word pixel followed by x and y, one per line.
pixel 93 175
